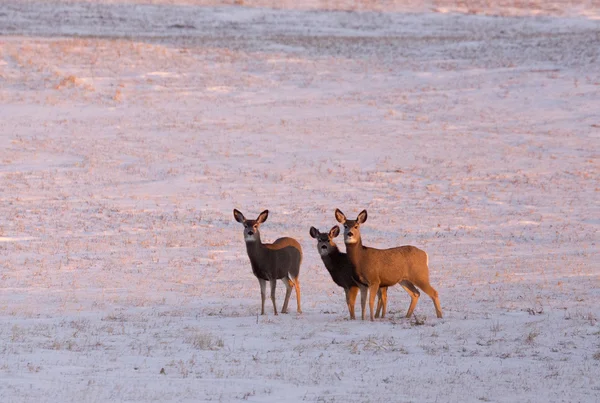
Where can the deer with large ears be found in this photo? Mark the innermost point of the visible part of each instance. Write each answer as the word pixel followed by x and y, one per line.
pixel 376 268
pixel 342 271
pixel 270 262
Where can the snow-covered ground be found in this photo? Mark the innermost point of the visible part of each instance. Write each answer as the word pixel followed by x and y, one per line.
pixel 129 132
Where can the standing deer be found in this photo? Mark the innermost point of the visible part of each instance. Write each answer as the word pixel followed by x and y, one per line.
pixel 406 265
pixel 342 272
pixel 279 260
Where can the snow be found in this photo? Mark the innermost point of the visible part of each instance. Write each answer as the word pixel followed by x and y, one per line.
pixel 129 131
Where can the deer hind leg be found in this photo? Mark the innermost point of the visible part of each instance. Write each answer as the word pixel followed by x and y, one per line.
pixel 288 291
pixel 414 296
pixel 433 294
pixel 263 295
pixel 297 287
pixel 273 287
pixel 351 300
pixel 373 289
pixel 382 302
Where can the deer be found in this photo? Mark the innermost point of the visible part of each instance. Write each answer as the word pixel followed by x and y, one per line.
pixel 406 265
pixel 342 272
pixel 270 262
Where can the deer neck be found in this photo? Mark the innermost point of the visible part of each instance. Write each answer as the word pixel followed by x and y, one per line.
pixel 331 259
pixel 354 251
pixel 256 250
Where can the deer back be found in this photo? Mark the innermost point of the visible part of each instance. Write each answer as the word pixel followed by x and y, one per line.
pixel 390 266
pixel 281 258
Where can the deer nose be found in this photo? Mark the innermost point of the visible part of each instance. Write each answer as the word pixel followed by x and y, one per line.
pixel 250 233
pixel 350 234
pixel 324 247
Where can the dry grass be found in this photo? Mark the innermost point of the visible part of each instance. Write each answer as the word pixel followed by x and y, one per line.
pixel 203 341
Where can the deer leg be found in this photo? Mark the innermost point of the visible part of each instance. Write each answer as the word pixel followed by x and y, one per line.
pixel 297 286
pixel 384 293
pixel 352 293
pixel 348 301
pixel 363 300
pixel 433 294
pixel 378 310
pixel 263 295
pixel 373 289
pixel 414 296
pixel 288 292
pixel 381 302
pixel 273 286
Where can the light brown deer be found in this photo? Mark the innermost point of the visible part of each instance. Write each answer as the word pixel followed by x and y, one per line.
pixel 270 262
pixel 406 265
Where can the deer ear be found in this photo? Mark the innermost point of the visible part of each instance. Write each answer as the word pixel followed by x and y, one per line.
pixel 333 232
pixel 239 217
pixel 262 217
pixel 339 216
pixel 362 217
pixel 314 232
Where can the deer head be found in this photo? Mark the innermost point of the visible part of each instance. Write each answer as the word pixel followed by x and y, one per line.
pixel 325 244
pixel 351 227
pixel 251 233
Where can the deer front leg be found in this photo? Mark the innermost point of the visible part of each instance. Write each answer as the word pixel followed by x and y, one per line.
pixel 273 286
pixel 373 289
pixel 348 301
pixel 383 291
pixel 351 298
pixel 381 302
pixel 263 295
pixel 363 300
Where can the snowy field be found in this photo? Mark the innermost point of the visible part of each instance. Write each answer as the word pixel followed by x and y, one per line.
pixel 129 132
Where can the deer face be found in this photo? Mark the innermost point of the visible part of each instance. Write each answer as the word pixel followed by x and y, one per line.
pixel 251 233
pixel 351 227
pixel 325 244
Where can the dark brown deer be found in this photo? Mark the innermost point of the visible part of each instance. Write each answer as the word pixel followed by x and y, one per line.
pixel 342 272
pixel 270 262
pixel 376 268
